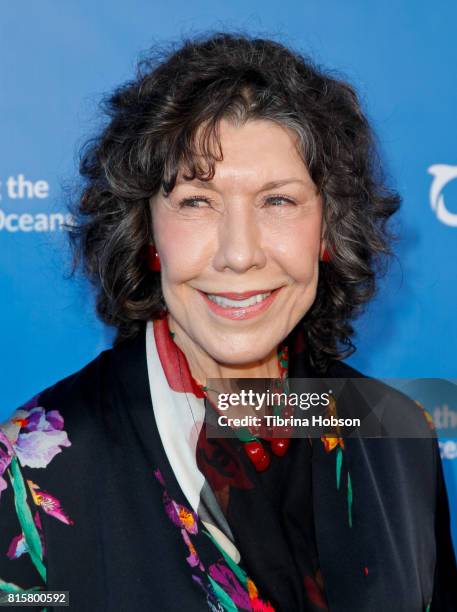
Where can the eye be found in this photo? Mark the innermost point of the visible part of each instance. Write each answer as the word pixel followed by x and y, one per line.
pixel 279 200
pixel 193 202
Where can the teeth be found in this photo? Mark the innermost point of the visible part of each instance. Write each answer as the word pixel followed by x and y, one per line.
pixel 226 303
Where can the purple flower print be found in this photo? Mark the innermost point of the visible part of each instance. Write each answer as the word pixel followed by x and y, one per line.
pixel 226 588
pixel 18 545
pixel 31 437
pixel 180 515
pixel 226 578
pixel 5 459
pixel 183 518
pixel 35 436
pixel 50 504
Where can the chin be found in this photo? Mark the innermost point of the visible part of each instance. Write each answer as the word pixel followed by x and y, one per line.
pixel 238 357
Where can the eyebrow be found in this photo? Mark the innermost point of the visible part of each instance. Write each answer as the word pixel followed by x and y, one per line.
pixel 266 187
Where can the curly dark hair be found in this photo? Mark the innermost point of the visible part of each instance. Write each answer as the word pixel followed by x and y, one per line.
pixel 151 132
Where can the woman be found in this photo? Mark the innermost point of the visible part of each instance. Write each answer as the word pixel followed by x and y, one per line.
pixel 232 221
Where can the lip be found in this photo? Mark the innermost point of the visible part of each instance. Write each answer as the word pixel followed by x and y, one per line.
pixel 242 313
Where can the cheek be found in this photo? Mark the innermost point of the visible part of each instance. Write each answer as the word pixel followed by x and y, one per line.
pixel 184 250
pixel 298 251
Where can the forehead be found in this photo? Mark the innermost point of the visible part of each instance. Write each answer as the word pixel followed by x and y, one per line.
pixel 256 152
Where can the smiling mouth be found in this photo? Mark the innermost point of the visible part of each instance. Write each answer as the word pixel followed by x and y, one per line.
pixel 240 305
pixel 227 302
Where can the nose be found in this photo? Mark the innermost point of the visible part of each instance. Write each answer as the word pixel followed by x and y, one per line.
pixel 239 240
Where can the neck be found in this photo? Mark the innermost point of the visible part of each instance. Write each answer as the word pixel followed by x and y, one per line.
pixel 203 367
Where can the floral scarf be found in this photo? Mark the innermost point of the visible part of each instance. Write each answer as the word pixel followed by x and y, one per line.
pixel 264 519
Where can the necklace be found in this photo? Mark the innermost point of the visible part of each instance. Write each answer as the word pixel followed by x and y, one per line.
pixel 252 444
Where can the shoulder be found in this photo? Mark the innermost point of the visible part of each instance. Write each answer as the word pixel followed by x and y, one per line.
pixel 75 404
pixel 37 444
pixel 86 385
pixel 342 369
pixel 402 415
pixel 404 454
pixel 399 438
pixel 80 386
pixel 37 431
pixel 45 446
pixel 68 388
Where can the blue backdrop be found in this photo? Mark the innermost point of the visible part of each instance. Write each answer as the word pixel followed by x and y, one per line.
pixel 57 59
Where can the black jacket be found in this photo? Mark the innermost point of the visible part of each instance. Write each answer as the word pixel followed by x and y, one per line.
pixel 114 548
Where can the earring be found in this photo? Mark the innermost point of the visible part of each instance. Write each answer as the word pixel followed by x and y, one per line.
pixel 153 258
pixel 325 256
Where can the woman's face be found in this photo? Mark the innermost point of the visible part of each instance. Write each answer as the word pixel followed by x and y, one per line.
pixel 239 254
